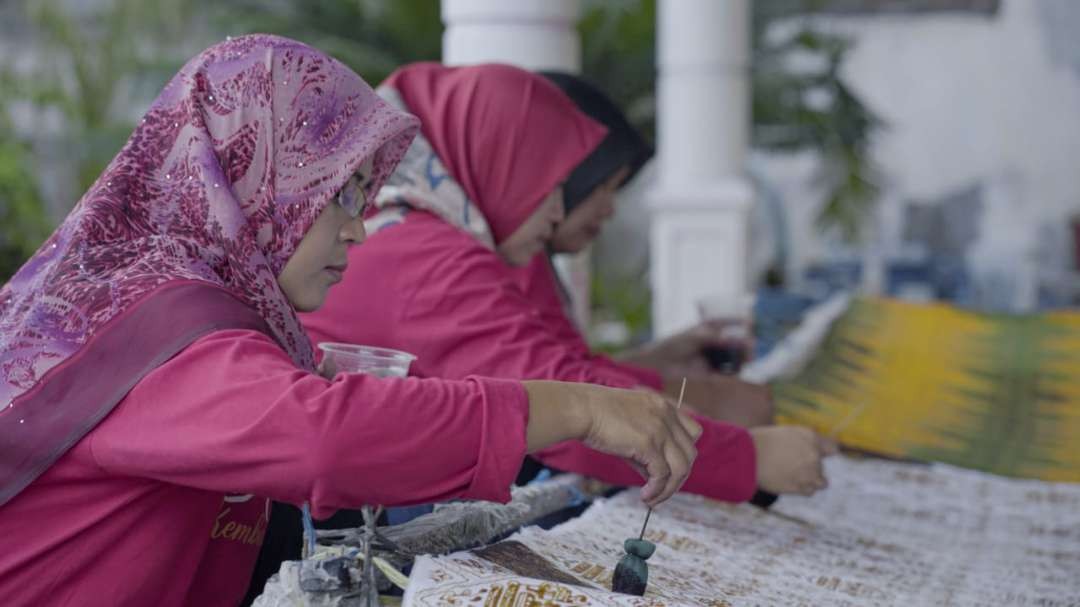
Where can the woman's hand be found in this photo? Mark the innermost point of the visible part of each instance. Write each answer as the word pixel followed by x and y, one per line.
pixel 684 353
pixel 789 459
pixel 637 425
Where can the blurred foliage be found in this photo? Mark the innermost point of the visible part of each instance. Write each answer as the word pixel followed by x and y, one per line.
pixel 800 100
pixel 91 65
pixel 373 37
pixel 95 64
pixel 23 223
pixel 814 109
pixel 85 67
pixel 626 299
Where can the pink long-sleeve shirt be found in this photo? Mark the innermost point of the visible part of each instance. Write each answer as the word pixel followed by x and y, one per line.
pixel 541 287
pixel 429 288
pixel 164 502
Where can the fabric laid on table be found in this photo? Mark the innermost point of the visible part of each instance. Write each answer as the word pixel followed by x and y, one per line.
pixel 884 533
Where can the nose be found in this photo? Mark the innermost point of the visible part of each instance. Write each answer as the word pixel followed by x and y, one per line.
pixel 353 231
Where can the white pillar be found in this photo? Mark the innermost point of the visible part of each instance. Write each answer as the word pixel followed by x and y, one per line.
pixel 535 35
pixel 702 198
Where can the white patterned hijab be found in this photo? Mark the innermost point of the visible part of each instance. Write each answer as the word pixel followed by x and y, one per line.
pixel 421 181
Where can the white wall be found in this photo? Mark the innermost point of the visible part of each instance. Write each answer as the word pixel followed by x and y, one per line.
pixel 967 99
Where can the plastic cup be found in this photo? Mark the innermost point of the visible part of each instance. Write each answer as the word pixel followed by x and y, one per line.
pixel 353 358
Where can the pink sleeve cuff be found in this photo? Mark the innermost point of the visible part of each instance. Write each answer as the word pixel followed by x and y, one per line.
pixel 503 443
pixel 726 467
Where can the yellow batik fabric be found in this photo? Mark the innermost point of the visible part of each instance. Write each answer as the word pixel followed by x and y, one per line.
pixel 991 392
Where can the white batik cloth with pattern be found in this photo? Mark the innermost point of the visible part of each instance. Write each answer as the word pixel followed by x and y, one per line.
pixel 884 533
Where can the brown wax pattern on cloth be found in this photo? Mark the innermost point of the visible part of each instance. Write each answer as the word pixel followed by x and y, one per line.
pixel 521 559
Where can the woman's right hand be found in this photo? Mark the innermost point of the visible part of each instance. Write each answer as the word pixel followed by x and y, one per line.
pixel 643 427
pixel 789 459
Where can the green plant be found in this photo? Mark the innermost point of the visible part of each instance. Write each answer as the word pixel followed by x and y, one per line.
pixel 87 66
pixel 793 110
pixel 625 298
pixel 815 109
pixel 91 66
pixel 23 222
pixel 370 36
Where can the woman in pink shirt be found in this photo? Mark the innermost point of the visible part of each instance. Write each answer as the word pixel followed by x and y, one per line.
pixel 478 195
pixel 155 384
pixel 589 201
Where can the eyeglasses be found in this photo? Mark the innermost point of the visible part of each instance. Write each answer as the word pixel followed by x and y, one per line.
pixel 352 197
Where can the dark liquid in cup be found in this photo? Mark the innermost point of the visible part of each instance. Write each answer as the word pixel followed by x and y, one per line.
pixel 725 358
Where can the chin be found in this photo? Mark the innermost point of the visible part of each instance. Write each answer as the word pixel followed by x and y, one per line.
pixel 311 303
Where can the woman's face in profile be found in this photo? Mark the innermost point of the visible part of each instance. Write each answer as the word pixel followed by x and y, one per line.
pixel 321 258
pixel 584 223
pixel 533 235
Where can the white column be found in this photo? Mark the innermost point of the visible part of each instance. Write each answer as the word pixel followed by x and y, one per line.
pixel 702 198
pixel 535 35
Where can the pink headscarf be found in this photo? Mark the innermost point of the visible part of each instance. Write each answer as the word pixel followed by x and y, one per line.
pixel 507 136
pixel 218 184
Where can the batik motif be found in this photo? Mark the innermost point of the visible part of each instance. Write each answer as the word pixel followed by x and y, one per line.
pixel 991 392
pixel 883 533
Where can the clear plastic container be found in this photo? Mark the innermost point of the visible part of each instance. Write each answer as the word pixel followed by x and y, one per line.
pixel 352 358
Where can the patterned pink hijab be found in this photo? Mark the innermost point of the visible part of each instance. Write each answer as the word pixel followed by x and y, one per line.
pixel 218 184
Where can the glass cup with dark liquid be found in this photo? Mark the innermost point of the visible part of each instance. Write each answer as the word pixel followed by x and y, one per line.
pixel 726 358
pixel 731 317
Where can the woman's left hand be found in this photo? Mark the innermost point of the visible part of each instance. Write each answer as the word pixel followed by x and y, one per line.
pixel 682 353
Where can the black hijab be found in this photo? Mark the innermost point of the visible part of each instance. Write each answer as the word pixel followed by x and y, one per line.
pixel 623 146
